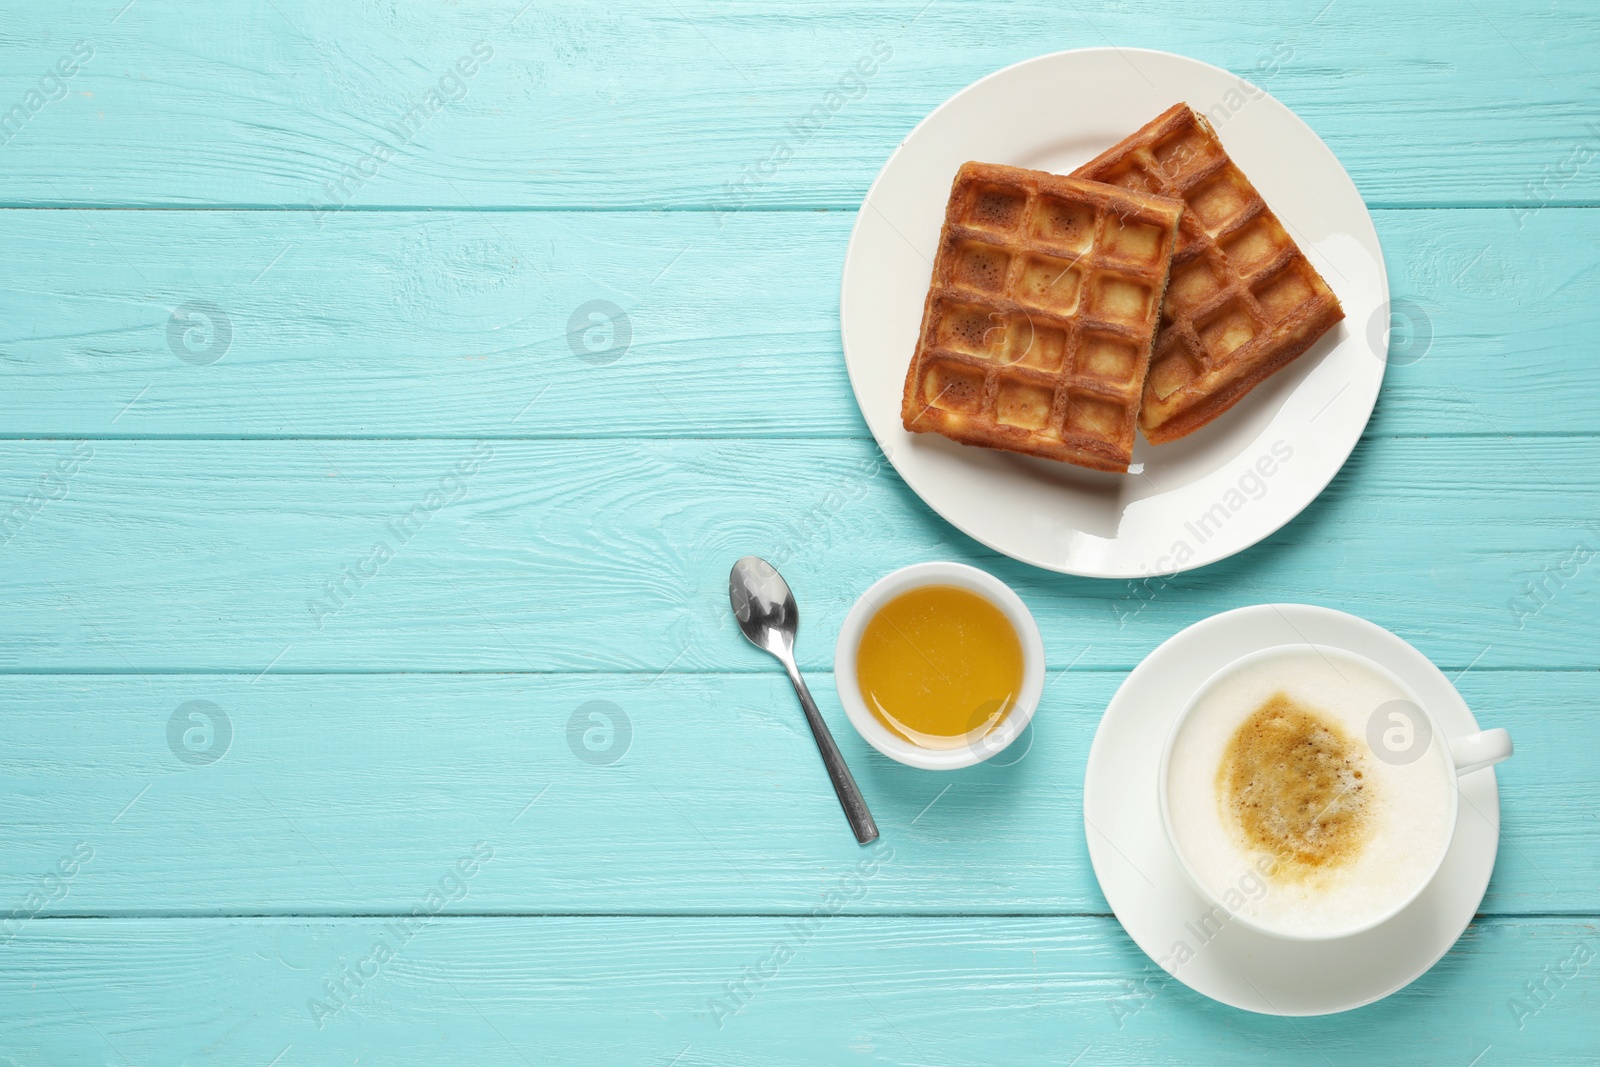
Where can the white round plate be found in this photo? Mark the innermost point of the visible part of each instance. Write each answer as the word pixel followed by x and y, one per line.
pixel 1143 880
pixel 1193 501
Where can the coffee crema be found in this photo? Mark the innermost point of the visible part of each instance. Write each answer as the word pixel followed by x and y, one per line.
pixel 1293 784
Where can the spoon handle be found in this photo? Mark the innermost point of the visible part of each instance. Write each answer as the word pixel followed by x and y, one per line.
pixel 850 799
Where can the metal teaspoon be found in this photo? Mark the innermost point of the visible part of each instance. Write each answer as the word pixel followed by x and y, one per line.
pixel 768 616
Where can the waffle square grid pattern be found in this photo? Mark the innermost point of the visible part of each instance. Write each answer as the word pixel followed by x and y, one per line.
pixel 1041 315
pixel 1243 301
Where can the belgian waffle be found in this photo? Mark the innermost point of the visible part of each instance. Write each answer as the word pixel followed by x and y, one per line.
pixel 1243 300
pixel 1038 327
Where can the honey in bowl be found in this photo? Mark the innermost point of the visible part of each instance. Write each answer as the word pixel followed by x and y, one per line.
pixel 939 666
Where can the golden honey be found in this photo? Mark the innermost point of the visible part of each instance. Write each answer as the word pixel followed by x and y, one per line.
pixel 939 666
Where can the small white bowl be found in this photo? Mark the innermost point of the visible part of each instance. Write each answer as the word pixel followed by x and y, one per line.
pixel 996 592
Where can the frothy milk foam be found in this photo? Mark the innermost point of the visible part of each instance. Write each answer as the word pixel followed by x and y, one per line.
pixel 1283 811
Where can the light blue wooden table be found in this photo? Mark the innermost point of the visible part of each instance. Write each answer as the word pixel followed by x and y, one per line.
pixel 321 546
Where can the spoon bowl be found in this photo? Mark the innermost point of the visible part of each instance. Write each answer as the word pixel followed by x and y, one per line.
pixel 763 605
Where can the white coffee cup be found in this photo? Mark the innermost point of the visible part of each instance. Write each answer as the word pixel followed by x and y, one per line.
pixel 1398 732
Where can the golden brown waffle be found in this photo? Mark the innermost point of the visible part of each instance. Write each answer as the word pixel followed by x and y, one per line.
pixel 1040 318
pixel 1243 300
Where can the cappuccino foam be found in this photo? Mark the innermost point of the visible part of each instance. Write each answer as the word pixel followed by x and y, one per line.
pixel 1283 811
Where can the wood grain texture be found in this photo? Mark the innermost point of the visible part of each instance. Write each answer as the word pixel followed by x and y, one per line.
pixel 403 324
pixel 593 105
pixel 347 794
pixel 613 555
pixel 648 990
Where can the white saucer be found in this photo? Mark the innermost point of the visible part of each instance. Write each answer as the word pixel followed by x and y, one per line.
pixel 1141 877
pixel 1196 500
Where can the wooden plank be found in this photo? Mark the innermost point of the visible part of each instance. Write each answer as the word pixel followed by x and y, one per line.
pixel 406 325
pixel 695 793
pixel 582 555
pixel 650 990
pixel 649 106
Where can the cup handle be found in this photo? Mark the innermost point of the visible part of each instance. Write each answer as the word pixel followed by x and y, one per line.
pixel 1477 751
